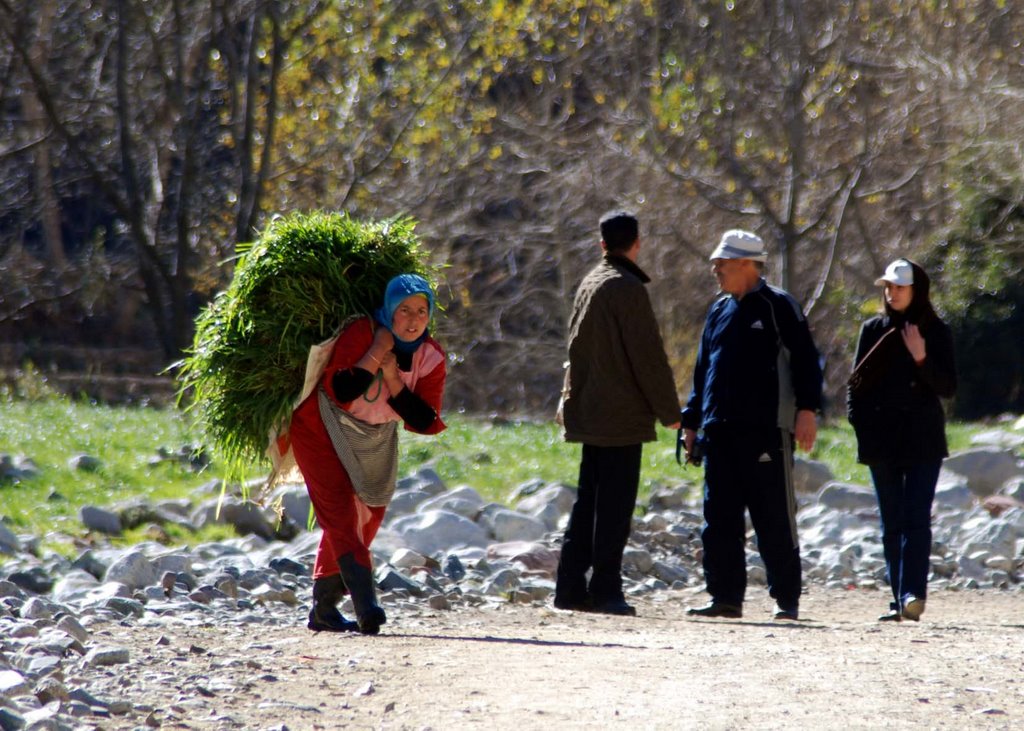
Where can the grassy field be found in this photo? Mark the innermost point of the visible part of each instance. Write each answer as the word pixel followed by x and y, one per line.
pixel 492 457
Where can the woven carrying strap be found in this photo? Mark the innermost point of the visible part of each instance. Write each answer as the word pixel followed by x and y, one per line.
pixel 369 452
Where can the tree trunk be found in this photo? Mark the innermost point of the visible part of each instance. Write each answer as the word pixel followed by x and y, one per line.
pixel 49 205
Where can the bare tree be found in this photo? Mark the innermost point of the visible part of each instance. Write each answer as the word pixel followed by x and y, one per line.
pixel 135 98
pixel 839 131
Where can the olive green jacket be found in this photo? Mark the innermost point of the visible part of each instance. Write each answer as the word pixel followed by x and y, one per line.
pixel 619 380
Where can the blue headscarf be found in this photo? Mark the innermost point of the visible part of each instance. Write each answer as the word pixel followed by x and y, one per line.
pixel 397 290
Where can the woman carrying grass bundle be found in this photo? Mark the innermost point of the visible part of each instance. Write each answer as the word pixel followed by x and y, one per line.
pixel 344 436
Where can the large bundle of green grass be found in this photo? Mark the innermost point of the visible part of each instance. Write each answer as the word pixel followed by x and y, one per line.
pixel 292 288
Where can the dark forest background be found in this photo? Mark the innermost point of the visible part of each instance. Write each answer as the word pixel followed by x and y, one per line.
pixel 141 140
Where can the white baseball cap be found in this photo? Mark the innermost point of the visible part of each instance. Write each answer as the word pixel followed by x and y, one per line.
pixel 739 244
pixel 899 272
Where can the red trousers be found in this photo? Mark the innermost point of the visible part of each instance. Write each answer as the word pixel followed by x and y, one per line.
pixel 349 525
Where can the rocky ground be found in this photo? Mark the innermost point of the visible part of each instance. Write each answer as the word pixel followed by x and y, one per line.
pixel 213 636
pixel 515 666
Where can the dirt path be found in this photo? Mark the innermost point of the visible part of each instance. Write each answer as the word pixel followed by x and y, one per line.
pixel 522 667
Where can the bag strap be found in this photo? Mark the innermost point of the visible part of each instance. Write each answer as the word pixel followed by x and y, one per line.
pixel 874 347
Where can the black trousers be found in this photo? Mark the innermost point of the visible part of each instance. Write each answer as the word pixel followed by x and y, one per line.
pixel 750 469
pixel 599 524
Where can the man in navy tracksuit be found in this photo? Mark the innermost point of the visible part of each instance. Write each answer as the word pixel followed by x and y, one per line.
pixel 756 387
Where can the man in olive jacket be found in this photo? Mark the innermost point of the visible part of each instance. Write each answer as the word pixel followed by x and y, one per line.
pixel 618 384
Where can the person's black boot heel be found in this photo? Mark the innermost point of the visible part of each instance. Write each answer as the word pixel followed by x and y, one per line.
pixel 359 580
pixel 324 616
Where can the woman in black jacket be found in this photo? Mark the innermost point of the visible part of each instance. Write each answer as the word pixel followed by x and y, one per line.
pixel 904 365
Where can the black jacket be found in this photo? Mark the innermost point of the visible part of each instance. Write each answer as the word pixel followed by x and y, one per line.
pixel 893 403
pixel 757 364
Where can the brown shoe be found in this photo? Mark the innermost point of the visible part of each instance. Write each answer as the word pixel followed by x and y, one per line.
pixel 716 609
pixel 913 608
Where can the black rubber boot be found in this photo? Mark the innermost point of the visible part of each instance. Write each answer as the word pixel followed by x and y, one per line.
pixel 359 580
pixel 324 616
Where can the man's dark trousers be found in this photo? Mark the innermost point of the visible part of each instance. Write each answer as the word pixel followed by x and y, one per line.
pixel 600 523
pixel 749 468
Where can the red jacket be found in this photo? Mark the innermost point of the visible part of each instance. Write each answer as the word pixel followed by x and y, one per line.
pixel 351 345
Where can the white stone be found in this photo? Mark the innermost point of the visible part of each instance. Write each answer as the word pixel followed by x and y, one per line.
pixel 464 501
pixel 824 527
pixel 405 558
pixel 1014 487
pixel 101 594
pixel 668 572
pixel 810 476
pixel 997 536
pixel 74 628
pixel 13 683
pixel 551 516
pixel 179 563
pixel 669 498
pixel 528 555
pixel 406 502
pixel 525 489
pixel 653 522
pixel 560 496
pixel 846 496
pixel 425 479
pixel 268 593
pixel 638 558
pixel 105 655
pixel 952 491
pixel 997 438
pixel 133 570
pixel 970 569
pixel 36 608
pixel 1000 562
pixel 438 531
pixel 985 468
pixel 511 525
pixel 501 583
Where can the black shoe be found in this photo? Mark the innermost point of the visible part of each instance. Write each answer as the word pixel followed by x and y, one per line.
pixel 616 606
pixel 330 621
pixel 359 580
pixel 893 615
pixel 791 614
pixel 324 616
pixel 572 604
pixel 716 609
